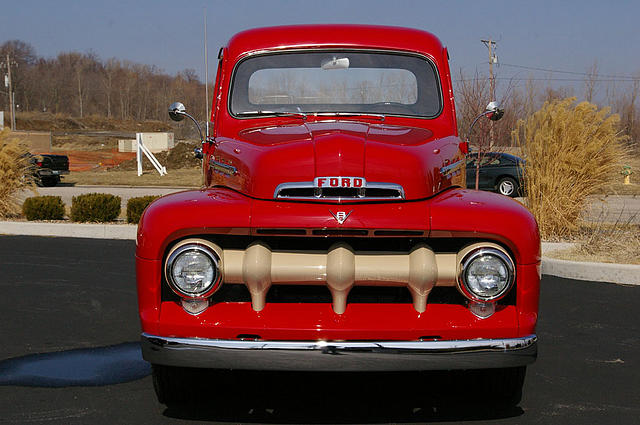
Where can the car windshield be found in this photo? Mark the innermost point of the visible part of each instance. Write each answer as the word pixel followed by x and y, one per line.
pixel 334 82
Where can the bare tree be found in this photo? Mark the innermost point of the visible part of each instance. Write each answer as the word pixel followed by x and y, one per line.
pixel 590 82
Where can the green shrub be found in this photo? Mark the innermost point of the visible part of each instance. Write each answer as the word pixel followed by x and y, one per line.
pixel 98 207
pixel 43 208
pixel 135 207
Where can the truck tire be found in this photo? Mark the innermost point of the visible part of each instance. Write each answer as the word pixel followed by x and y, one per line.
pixel 503 386
pixel 49 181
pixel 170 384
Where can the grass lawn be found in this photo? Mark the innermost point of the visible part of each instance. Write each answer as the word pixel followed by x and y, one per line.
pixel 604 243
pixel 189 177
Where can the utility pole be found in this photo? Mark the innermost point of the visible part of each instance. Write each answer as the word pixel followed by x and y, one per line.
pixel 493 58
pixel 12 95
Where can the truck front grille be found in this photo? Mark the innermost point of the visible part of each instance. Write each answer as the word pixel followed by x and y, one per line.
pixel 307 190
pixel 337 271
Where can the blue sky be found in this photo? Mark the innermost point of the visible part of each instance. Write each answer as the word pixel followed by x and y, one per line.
pixel 562 35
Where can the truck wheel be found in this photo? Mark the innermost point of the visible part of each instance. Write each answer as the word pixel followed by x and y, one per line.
pixel 170 383
pixel 501 388
pixel 507 186
pixel 49 181
pixel 506 385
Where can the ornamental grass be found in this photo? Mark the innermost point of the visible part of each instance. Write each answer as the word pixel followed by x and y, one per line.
pixel 571 151
pixel 15 175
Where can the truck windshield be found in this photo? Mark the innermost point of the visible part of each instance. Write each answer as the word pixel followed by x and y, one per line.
pixel 336 82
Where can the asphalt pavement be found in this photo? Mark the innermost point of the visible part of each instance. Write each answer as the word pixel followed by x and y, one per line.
pixel 70 355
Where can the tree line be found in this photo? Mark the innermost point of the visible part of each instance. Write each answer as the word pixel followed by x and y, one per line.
pixel 82 84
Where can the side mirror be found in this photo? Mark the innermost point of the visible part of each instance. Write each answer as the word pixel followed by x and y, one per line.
pixel 177 111
pixel 493 111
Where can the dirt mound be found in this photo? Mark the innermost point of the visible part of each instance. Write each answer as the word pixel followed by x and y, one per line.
pixel 44 121
pixel 181 156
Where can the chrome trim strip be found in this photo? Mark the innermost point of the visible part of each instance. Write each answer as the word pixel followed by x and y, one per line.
pixel 311 186
pixel 223 168
pixel 339 355
pixel 293 185
pixel 451 168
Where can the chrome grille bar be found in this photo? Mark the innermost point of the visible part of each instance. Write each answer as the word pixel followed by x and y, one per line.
pixel 308 191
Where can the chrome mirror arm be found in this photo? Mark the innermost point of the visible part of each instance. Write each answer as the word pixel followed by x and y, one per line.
pixel 194 121
pixel 177 112
pixel 494 113
pixel 475 121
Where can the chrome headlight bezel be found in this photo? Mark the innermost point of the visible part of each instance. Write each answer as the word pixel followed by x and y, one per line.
pixel 474 255
pixel 210 254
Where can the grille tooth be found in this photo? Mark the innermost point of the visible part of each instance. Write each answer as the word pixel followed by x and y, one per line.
pixel 341 274
pixel 256 272
pixel 423 274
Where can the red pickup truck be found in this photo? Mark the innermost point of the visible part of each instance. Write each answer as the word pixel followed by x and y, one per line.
pixel 334 231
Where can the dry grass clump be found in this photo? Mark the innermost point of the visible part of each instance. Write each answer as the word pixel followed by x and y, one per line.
pixel 605 243
pixel 14 175
pixel 571 151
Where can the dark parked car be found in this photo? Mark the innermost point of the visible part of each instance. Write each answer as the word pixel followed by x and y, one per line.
pixel 47 169
pixel 499 172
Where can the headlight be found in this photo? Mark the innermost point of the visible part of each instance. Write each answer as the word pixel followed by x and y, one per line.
pixel 192 271
pixel 487 274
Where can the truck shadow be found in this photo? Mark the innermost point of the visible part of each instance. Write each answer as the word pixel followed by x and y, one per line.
pixel 349 398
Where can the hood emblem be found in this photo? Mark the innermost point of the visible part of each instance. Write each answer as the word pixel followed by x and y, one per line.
pixel 341 216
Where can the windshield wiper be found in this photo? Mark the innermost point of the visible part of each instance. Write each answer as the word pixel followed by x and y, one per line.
pixel 276 113
pixel 381 117
pixel 303 115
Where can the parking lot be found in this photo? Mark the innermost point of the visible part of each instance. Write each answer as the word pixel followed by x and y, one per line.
pixel 69 355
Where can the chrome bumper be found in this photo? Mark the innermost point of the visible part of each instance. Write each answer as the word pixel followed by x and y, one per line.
pixel 52 172
pixel 340 356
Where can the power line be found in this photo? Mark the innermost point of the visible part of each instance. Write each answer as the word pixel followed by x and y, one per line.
pixel 601 80
pixel 533 68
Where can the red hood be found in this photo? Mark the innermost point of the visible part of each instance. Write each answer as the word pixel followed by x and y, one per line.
pixel 268 156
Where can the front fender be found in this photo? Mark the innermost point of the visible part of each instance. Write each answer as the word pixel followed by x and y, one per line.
pixel 191 212
pixel 485 215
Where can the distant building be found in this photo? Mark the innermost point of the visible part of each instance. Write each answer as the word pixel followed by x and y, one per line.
pixel 155 142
